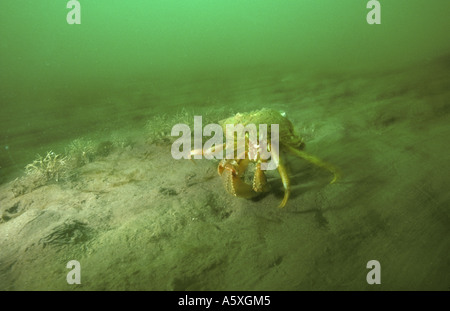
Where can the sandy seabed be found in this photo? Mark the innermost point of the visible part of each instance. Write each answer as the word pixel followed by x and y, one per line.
pixel 136 219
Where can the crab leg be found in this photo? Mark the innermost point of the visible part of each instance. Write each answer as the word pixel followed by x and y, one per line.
pixel 284 176
pixel 286 184
pixel 207 151
pixel 312 159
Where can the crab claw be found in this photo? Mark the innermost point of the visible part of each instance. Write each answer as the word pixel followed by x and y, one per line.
pixel 230 173
pixel 259 180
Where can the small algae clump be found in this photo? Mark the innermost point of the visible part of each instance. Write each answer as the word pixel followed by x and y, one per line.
pixel 120 140
pixel 80 152
pixel 159 127
pixel 56 167
pixel 104 148
pixel 52 167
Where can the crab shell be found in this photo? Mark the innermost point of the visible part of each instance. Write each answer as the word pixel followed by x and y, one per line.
pixel 267 116
pixel 232 170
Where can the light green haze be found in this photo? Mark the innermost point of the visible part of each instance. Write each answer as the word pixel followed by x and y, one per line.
pixel 86 171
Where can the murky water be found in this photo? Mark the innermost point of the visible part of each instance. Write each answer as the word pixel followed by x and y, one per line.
pixel 373 100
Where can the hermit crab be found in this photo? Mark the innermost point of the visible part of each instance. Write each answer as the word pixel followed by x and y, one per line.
pixel 232 169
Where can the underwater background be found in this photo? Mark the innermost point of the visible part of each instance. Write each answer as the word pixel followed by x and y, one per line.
pixel 86 171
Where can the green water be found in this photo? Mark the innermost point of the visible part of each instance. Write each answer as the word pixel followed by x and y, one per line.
pixel 55 77
pixel 371 99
